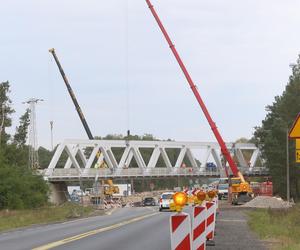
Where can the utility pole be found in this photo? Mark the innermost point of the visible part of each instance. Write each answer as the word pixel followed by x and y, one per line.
pixel 51 128
pixel 291 65
pixel 33 143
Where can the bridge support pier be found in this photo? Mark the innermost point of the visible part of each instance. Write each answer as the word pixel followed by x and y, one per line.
pixel 58 192
pixel 132 186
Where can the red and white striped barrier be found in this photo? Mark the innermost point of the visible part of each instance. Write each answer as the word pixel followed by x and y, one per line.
pixel 216 200
pixel 210 220
pixel 116 204
pixel 195 191
pixel 199 227
pixel 180 228
pixel 112 204
pixel 107 204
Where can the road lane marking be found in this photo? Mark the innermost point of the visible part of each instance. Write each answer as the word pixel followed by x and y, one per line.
pixel 93 232
pixel 72 221
pixel 111 211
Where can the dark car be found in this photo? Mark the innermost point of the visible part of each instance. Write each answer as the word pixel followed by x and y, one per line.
pixel 149 201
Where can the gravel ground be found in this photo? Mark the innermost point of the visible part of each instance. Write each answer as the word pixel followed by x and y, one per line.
pixel 232 231
pixel 267 202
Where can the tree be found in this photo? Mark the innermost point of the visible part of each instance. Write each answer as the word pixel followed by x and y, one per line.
pixel 5 111
pixel 20 187
pixel 21 134
pixel 271 136
pixel 45 157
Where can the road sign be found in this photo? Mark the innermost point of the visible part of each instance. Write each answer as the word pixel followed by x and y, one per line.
pixel 298 155
pixel 295 131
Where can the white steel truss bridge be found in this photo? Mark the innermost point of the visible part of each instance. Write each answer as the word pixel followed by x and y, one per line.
pixel 81 159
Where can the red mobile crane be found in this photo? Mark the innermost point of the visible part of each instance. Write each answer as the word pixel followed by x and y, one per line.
pixel 243 186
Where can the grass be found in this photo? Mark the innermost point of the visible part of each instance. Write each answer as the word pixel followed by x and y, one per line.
pixel 280 226
pixel 21 218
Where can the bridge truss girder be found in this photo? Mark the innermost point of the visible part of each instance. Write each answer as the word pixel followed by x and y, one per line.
pixel 75 149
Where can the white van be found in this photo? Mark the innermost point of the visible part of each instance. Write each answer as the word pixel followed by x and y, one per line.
pixel 165 200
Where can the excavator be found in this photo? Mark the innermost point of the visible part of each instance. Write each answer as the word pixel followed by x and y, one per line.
pixel 110 188
pixel 239 189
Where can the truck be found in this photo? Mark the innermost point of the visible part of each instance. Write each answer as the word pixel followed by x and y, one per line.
pixel 222 188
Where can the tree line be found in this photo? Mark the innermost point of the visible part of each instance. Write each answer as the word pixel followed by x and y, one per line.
pixel 271 136
pixel 20 186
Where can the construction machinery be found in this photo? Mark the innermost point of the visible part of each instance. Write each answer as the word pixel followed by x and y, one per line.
pixel 244 186
pixel 110 188
pixel 100 163
pixel 239 192
pixel 72 95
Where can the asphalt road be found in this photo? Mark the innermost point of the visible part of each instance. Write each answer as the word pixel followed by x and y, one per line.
pixel 34 237
pixel 233 233
pixel 127 229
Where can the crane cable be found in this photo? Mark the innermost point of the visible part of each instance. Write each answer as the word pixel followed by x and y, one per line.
pixel 51 98
pixel 127 82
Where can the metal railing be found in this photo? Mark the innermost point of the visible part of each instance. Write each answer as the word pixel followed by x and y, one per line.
pixel 130 172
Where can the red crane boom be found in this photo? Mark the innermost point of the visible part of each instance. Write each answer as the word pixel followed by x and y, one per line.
pixel 212 124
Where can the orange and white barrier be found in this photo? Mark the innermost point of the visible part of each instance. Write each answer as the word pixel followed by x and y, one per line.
pixel 210 220
pixel 199 227
pixel 180 227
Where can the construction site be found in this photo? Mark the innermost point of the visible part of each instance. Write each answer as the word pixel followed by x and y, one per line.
pixel 134 192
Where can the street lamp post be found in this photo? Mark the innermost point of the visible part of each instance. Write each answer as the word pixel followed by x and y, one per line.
pixel 51 130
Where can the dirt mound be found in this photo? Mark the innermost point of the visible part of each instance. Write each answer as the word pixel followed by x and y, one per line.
pixel 267 202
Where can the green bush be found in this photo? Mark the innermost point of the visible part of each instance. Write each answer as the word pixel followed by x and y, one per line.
pixel 20 188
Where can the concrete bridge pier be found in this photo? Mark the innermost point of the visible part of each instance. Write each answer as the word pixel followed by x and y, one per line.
pixel 58 192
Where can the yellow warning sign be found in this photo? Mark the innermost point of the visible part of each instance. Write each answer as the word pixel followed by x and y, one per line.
pixel 298 144
pixel 295 131
pixel 298 155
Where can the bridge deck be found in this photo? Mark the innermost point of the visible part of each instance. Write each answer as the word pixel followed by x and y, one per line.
pixel 90 174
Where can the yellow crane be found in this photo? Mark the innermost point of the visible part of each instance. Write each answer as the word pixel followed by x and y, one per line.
pixel 100 164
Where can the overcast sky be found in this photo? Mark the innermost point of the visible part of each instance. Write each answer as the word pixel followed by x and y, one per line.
pixel 124 75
